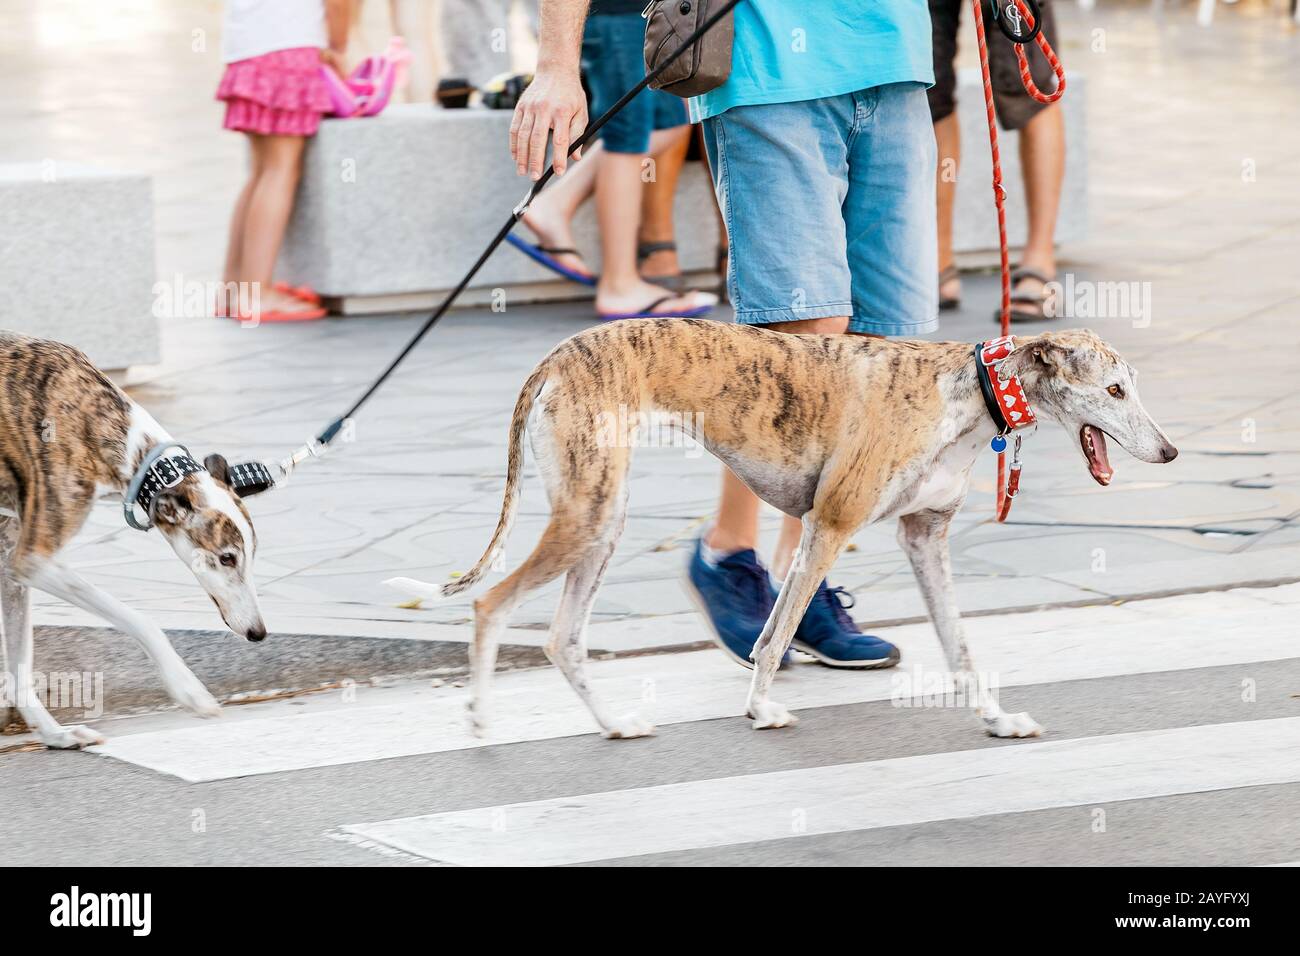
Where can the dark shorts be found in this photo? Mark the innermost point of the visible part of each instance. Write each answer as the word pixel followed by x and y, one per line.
pixel 613 62
pixel 1014 106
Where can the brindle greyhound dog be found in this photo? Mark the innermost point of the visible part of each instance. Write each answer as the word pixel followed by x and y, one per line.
pixel 67 437
pixel 838 431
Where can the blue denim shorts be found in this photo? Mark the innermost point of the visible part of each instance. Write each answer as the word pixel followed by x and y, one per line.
pixel 613 63
pixel 830 209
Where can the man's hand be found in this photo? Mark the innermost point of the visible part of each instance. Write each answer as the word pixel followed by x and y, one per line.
pixel 554 102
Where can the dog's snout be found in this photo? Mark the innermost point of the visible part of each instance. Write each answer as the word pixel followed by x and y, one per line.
pixel 256 634
pixel 1168 452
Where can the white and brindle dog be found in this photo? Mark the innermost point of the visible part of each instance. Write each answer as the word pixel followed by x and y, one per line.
pixel 838 431
pixel 69 436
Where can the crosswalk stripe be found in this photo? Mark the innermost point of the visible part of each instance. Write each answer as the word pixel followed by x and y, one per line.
pixel 885 793
pixel 1043 647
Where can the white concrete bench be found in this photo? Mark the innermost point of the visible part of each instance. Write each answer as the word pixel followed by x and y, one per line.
pixel 393 210
pixel 77 260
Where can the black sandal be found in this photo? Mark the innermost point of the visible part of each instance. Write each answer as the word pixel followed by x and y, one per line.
pixel 952 301
pixel 644 250
pixel 1036 304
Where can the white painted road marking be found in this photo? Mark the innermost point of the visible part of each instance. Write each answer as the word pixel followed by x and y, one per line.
pixel 1062 644
pixel 884 793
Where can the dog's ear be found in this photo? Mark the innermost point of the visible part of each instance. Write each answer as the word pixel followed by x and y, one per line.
pixel 1049 355
pixel 218 468
pixel 170 508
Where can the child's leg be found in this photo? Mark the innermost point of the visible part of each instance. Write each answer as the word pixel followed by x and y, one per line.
pixel 238 221
pixel 269 206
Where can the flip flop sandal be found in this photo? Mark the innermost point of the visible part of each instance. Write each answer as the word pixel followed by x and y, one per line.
pixel 649 311
pixel 543 255
pixel 1036 303
pixel 953 301
pixel 644 250
pixel 305 293
pixel 281 315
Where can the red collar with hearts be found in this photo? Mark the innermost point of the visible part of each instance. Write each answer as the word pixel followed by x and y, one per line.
pixel 1004 396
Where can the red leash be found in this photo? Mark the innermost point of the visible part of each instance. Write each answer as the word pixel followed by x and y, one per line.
pixel 1015 12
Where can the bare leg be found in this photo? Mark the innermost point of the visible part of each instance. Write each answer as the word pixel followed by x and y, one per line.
pixel 657 208
pixel 1042 157
pixel 550 217
pixel 239 220
pixel 619 188
pixel 924 536
pixel 821 546
pixel 267 216
pixel 947 132
pixel 413 22
pixel 16 635
pixel 53 577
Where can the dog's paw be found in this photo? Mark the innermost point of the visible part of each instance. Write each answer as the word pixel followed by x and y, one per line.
pixel 769 715
pixel 71 738
pixel 627 727
pixel 477 719
pixel 1012 725
pixel 190 693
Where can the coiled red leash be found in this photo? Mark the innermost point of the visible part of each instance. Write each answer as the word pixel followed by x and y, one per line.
pixel 1020 22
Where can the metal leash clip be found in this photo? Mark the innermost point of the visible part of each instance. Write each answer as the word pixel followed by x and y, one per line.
pixel 1011 22
pixel 313 449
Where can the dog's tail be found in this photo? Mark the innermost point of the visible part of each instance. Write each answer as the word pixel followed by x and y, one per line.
pixel 514 465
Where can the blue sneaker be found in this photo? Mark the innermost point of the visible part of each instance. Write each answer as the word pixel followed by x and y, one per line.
pixel 735 596
pixel 829 634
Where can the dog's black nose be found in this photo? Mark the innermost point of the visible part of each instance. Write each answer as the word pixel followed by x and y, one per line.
pixel 1168 453
pixel 256 634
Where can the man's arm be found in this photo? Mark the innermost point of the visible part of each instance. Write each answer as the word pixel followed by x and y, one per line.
pixel 554 100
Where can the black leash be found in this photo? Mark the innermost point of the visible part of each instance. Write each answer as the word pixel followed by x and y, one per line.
pixel 321 442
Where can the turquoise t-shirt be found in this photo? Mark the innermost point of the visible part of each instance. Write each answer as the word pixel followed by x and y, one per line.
pixel 785 52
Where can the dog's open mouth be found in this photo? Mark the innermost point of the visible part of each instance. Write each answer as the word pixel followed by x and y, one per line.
pixel 1093 440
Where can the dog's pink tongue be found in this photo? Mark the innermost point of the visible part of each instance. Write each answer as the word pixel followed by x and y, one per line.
pixel 1100 461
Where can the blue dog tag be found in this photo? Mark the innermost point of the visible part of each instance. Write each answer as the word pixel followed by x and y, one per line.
pixel 999 444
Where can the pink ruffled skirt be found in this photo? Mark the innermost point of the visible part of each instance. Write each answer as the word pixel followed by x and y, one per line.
pixel 281 93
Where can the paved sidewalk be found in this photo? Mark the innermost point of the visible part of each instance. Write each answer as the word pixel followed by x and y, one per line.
pixel 1194 164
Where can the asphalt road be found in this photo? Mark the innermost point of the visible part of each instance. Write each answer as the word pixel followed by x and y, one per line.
pixel 83 808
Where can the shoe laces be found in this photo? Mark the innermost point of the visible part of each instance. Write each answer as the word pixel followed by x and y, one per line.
pixel 839 600
pixel 756 582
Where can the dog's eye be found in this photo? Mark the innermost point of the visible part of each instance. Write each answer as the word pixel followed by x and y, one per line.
pixel 229 559
pixel 1116 391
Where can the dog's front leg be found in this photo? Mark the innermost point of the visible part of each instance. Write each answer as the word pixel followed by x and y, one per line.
pixel 924 536
pixel 53 577
pixel 818 549
pixel 16 635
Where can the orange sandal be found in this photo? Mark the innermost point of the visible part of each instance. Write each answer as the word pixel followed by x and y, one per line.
pixel 282 315
pixel 305 293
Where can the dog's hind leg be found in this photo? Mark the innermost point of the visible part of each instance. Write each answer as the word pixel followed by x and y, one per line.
pixel 818 549
pixel 562 546
pixel 566 647
pixel 15 602
pixel 924 536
